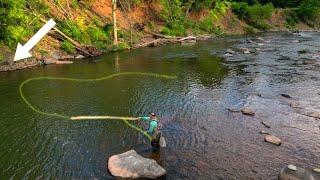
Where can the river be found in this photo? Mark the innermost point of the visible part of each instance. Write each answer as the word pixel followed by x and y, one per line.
pixel 204 139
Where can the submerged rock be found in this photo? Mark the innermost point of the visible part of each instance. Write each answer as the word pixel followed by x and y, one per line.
pixel 247 111
pixel 292 172
pixel 273 140
pixel 286 95
pixel 132 165
pixel 282 57
pixel 303 51
pixel 265 124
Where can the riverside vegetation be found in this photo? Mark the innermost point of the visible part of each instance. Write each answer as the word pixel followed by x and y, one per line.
pixel 85 23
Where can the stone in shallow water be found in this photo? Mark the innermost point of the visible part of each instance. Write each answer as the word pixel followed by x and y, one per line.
pixel 295 105
pixel 247 111
pixel 286 95
pixel 292 172
pixel 265 124
pixel 292 167
pixel 264 132
pixel 132 165
pixel 314 114
pixel 273 140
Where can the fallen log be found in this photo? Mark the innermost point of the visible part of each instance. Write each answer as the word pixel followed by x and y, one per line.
pixel 189 38
pixel 161 35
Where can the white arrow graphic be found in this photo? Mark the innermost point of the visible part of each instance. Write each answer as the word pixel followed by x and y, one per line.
pixel 22 52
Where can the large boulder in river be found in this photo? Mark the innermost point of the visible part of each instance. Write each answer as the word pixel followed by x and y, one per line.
pixel 132 165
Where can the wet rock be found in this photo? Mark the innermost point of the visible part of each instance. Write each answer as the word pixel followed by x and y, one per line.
pixel 244 50
pixel 286 95
pixel 265 124
pixel 247 111
pixel 80 57
pixel 260 39
pixel 264 132
pixel 11 66
pixel 256 94
pixel 273 140
pixel 303 51
pixel 233 110
pixel 228 55
pixel 230 51
pixel 249 41
pixel 282 57
pixel 295 105
pixel 313 114
pixel 309 61
pixel 260 44
pixel 132 165
pixel 295 41
pixel 292 172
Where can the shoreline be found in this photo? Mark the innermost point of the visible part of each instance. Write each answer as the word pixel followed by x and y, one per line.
pixel 8 66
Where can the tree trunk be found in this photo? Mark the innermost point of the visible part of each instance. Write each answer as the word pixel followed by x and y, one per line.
pixel 114 20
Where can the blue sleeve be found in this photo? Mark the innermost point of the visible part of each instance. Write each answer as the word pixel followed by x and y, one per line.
pixel 147 119
pixel 153 125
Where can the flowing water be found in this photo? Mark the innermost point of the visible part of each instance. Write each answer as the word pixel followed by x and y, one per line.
pixel 204 139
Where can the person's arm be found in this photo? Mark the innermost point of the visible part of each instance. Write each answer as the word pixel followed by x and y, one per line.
pixel 146 118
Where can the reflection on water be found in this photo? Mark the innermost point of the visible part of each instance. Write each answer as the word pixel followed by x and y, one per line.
pixel 204 139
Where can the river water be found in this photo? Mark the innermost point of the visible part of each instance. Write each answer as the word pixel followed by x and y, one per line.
pixel 204 139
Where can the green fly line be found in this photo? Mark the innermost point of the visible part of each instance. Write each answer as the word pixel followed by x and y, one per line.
pixel 88 80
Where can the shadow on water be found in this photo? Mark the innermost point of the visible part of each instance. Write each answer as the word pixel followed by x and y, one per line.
pixel 204 139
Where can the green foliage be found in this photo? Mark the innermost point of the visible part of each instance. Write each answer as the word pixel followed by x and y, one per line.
pixel 13 20
pixel 68 47
pixel 282 3
pixel 255 15
pixel 292 19
pixel 174 14
pixel 259 12
pixel 261 25
pixel 87 34
pixel 198 5
pixel 1 57
pixel 240 9
pixel 74 4
pixel 121 46
pixel 249 29
pixel 96 34
pixel 309 12
pixel 71 29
